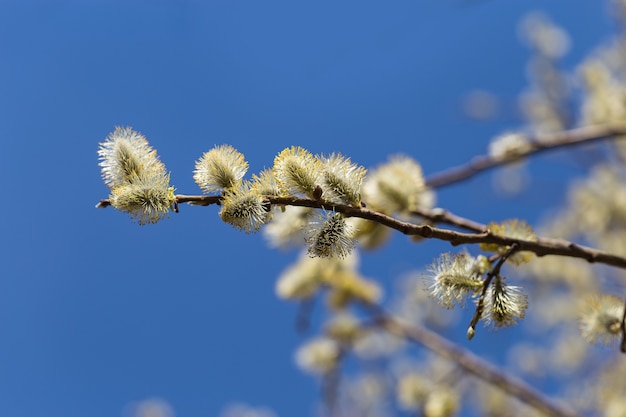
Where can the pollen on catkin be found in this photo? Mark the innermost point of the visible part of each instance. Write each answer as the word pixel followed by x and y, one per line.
pixel 146 199
pixel 265 183
pixel 503 304
pixel 601 319
pixel 329 236
pixel 451 278
pixel 219 169
pixel 341 180
pixel 297 171
pixel 243 208
pixel 137 178
pixel 125 155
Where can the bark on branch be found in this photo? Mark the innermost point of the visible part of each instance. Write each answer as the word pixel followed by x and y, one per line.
pixel 542 247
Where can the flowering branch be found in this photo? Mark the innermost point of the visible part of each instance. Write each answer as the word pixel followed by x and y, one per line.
pixel 534 145
pixel 469 362
pixel 541 247
pixel 481 301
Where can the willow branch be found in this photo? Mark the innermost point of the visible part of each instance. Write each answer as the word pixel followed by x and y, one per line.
pixel 471 330
pixel 537 144
pixel 439 215
pixel 541 247
pixel 470 363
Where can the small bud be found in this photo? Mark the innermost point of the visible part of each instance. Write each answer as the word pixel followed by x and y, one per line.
pixel 470 332
pixel 317 193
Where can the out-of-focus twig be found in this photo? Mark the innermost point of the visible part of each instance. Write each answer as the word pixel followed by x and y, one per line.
pixel 537 144
pixel 469 362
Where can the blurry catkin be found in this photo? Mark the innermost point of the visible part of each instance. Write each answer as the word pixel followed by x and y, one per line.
pixel 514 229
pixel 287 226
pixel 601 319
pixel 318 356
pixel 397 186
pixel 348 286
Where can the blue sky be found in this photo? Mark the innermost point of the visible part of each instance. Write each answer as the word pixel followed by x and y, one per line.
pixel 97 312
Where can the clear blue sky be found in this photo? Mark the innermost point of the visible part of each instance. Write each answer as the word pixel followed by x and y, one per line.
pixel 97 312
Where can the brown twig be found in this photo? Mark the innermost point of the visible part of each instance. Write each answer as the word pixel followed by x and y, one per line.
pixel 541 247
pixel 471 330
pixel 470 363
pixel 439 215
pixel 537 144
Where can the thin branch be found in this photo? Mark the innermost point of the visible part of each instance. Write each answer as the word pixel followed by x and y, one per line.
pixel 439 215
pixel 542 247
pixel 471 330
pixel 623 329
pixel 470 363
pixel 537 144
